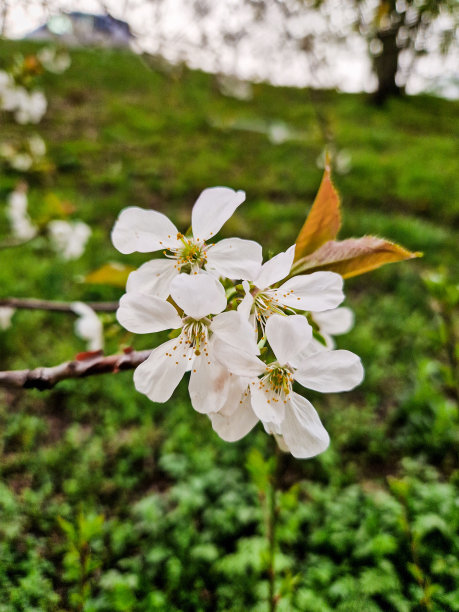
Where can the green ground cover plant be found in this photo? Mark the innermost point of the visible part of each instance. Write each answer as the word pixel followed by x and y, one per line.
pixel 110 502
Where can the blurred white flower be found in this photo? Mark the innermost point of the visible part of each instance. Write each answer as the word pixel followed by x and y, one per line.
pixel 21 162
pixel 6 314
pixel 19 219
pixel 54 60
pixel 7 91
pixel 69 238
pixel 146 231
pixel 233 87
pixel 88 326
pixel 30 106
pixel 279 132
pixel 341 159
pixel 37 145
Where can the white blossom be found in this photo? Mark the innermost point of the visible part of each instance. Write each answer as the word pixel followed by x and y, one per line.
pixel 21 161
pixel 6 314
pixel 219 341
pixel 88 326
pixel 202 299
pixel 37 145
pixel 282 411
pixel 30 106
pixel 333 323
pixel 21 225
pixel 69 238
pixel 148 231
pixel 53 60
pixel 318 291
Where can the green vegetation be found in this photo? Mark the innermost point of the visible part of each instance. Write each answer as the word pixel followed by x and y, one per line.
pixel 110 502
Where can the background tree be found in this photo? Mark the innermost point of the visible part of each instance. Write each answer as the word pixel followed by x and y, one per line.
pixel 400 31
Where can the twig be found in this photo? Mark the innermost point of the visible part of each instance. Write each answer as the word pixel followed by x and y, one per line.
pixel 11 243
pixel 86 364
pixel 53 306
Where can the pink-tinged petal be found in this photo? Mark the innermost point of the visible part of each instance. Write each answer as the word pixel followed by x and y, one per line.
pixel 145 314
pixel 302 429
pixel 265 403
pixel 209 383
pixel 212 209
pixel 153 278
pixel 335 322
pixel 231 327
pixel 238 362
pixel 288 336
pixel 275 269
pixel 238 424
pixel 330 371
pixel 144 231
pixel 159 375
pixel 235 258
pixel 198 295
pixel 317 291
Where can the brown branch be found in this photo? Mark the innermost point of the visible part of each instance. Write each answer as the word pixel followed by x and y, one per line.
pixel 86 364
pixel 53 306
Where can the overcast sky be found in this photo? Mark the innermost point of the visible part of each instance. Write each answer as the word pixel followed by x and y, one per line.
pixel 166 26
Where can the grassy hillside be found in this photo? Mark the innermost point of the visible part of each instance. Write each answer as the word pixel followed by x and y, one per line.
pixel 110 502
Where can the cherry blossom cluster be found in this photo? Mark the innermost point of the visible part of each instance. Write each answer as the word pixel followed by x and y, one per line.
pixel 27 106
pixel 17 94
pixel 244 329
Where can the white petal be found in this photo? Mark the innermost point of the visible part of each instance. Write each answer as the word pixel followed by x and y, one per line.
pixel 153 278
pixel 317 291
pixel 302 430
pixel 235 258
pixel 231 327
pixel 198 295
pixel 145 314
pixel 88 326
pixel 237 361
pixel 335 322
pixel 159 375
pixel 275 269
pixel 288 336
pixel 247 302
pixel 144 231
pixel 330 371
pixel 238 391
pixel 6 314
pixel 234 427
pixel 212 209
pixel 281 443
pixel 209 383
pixel 265 403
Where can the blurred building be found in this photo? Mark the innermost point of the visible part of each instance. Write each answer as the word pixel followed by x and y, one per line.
pixel 84 29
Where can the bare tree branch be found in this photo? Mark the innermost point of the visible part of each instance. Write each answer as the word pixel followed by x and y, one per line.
pixel 54 306
pixel 86 364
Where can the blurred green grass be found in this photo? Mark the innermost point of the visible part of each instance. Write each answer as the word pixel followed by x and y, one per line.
pixel 181 518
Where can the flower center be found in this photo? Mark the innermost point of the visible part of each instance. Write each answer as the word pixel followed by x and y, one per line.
pixel 190 255
pixel 196 334
pixel 279 379
pixel 265 305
